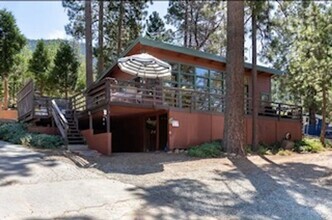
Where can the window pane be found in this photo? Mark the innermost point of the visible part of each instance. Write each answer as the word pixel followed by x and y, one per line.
pixel 186 69
pixel 175 66
pixel 217 75
pixel 201 72
pixel 202 82
pixel 188 79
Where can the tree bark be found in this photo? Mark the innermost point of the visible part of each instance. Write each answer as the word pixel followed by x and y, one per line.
pixel 88 43
pixel 185 37
pixel 101 37
pixel 312 114
pixel 234 132
pixel 5 92
pixel 254 83
pixel 323 130
pixel 120 29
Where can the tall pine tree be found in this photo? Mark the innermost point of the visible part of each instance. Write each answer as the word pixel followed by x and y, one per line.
pixel 65 71
pixel 196 22
pixel 155 29
pixel 234 139
pixel 11 43
pixel 39 65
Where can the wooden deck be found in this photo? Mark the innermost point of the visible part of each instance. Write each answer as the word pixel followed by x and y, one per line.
pixel 110 92
pixel 121 95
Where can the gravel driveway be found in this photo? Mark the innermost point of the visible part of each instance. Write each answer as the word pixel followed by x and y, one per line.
pixel 35 185
pixel 174 186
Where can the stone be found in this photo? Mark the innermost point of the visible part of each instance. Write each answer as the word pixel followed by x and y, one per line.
pixel 287 145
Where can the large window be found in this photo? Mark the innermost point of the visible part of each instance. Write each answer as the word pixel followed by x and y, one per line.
pixel 208 84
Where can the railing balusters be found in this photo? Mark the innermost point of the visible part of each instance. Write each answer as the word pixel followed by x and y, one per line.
pixel 111 90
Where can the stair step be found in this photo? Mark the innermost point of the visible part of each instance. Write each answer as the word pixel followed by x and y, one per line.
pixel 75 137
pixel 76 142
pixel 73 132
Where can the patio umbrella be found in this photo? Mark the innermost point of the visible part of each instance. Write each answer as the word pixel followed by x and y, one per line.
pixel 144 65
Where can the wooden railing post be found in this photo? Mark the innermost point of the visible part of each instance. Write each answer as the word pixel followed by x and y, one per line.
pixel 154 95
pixel 108 90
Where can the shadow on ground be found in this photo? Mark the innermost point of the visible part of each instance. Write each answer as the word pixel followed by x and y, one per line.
pixel 16 161
pixel 138 163
pixel 78 217
pixel 287 191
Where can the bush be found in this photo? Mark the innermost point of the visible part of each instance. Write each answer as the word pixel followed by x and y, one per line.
pixel 16 133
pixel 264 149
pixel 12 132
pixel 45 141
pixel 312 145
pixel 206 150
pixel 284 153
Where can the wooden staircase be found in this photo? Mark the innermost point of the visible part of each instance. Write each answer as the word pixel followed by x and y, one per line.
pixel 73 134
pixel 66 123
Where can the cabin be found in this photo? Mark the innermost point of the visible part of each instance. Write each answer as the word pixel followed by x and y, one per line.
pixel 120 112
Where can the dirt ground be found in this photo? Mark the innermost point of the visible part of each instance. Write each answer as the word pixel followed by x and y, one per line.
pixel 176 186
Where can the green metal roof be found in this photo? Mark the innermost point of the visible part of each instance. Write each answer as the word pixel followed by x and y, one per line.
pixel 187 51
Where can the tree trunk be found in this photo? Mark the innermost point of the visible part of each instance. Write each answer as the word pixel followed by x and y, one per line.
pixel 88 43
pixel 120 29
pixel 185 37
pixel 323 130
pixel 101 37
pixel 5 92
pixel 312 115
pixel 254 84
pixel 234 132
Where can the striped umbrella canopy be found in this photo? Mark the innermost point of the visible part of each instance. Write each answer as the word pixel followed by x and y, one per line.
pixel 144 65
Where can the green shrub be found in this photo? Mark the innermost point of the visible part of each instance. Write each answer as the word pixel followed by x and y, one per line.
pixel 264 149
pixel 16 133
pixel 248 149
pixel 206 150
pixel 12 132
pixel 328 143
pixel 312 145
pixel 45 141
pixel 284 153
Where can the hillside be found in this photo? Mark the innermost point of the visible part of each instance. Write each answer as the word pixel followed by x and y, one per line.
pixel 32 44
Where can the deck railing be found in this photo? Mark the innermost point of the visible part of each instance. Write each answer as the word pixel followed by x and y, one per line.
pixel 25 103
pixel 31 105
pixel 60 120
pixel 111 91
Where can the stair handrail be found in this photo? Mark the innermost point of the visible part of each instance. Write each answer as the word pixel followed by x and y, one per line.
pixel 60 121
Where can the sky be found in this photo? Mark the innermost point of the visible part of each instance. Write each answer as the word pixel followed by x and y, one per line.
pixel 46 19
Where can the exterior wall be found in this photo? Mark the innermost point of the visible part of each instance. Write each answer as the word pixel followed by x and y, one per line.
pixel 8 114
pixel 196 128
pixel 182 58
pixel 263 83
pixel 43 130
pixel 99 142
